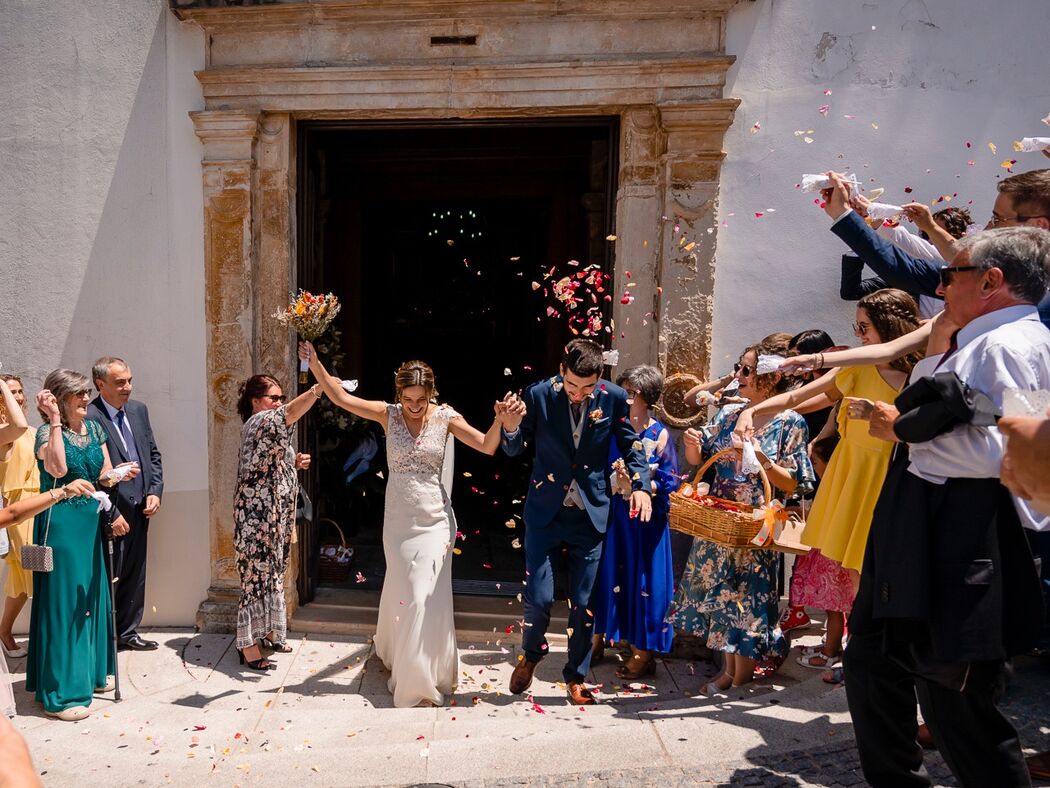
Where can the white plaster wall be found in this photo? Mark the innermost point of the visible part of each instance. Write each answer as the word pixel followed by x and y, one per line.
pixel 933 74
pixel 101 246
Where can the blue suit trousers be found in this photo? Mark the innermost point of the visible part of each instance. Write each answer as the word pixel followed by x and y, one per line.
pixel 542 551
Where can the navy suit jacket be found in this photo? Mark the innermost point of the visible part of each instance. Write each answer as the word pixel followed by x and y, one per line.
pixel 149 455
pixel 546 426
pixel 895 267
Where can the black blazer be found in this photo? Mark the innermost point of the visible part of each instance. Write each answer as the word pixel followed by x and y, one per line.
pixel 953 559
pixel 149 455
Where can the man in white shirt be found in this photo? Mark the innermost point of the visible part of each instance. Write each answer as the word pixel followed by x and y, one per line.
pixel 948 588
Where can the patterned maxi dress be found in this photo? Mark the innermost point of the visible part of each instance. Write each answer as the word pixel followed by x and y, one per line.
pixel 416 635
pixel 263 517
pixel 69 652
pixel 729 597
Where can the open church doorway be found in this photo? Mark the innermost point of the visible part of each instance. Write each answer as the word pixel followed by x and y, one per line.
pixel 432 236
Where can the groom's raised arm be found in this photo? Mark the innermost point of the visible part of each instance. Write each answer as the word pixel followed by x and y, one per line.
pixel 513 443
pixel 630 445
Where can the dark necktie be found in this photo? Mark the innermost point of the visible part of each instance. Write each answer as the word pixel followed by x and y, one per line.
pixel 129 439
pixel 953 345
pixel 575 410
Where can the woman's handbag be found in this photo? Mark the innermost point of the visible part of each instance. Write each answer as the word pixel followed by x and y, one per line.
pixel 39 557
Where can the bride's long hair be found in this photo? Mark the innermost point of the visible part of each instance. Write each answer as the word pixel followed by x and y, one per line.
pixel 415 373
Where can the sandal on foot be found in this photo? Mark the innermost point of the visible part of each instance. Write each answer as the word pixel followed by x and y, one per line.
pixel 817 661
pixel 637 667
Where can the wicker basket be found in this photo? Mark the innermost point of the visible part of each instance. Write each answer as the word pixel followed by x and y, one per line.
pixel 730 529
pixel 332 570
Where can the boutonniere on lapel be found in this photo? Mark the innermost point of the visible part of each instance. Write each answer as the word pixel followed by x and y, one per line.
pixel 596 415
pixel 556 384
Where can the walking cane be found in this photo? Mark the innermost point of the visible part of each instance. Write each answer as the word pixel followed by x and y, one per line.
pixel 107 531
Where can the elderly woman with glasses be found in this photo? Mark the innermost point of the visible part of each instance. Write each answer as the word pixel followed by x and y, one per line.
pixel 264 513
pixel 69 655
pixel 635 580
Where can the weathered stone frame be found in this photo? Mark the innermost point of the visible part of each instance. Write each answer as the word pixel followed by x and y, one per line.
pixel 672 118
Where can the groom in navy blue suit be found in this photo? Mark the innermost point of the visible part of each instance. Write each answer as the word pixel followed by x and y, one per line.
pixel 570 420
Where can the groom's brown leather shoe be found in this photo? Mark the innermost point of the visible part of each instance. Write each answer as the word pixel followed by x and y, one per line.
pixel 521 678
pixel 579 694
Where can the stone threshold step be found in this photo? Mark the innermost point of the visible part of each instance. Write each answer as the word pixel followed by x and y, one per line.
pixel 478 619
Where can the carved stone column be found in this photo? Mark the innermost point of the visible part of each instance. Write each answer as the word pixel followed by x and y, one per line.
pixel 690 168
pixel 273 270
pixel 639 203
pixel 229 138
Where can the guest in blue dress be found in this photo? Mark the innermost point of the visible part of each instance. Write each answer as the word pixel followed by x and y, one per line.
pixel 729 596
pixel 635 580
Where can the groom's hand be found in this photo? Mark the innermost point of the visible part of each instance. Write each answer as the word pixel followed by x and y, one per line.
pixel 513 412
pixel 641 505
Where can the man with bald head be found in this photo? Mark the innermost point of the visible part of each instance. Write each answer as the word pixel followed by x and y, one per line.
pixel 129 439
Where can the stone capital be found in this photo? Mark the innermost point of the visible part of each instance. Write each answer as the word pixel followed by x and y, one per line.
pixel 226 134
pixel 697 128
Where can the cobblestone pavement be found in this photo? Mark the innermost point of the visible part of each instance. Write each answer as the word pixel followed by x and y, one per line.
pixel 1027 704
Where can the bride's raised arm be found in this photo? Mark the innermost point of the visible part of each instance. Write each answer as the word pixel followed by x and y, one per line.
pixel 486 443
pixel 373 410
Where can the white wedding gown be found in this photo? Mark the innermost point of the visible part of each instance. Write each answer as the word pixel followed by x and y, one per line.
pixel 416 635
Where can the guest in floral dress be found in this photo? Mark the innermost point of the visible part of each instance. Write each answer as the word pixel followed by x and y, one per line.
pixel 264 512
pixel 635 579
pixel 729 596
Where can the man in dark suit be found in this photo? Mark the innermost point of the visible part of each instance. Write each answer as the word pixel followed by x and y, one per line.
pixel 130 439
pixel 570 420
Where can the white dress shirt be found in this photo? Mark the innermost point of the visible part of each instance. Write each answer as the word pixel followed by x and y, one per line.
pixel 1007 348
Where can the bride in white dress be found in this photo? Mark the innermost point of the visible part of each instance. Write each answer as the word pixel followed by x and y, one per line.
pixel 416 635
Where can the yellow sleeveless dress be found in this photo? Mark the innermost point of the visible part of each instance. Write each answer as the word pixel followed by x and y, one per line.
pixel 840 518
pixel 20 478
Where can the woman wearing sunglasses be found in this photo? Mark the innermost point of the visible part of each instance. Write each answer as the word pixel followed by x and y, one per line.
pixel 728 597
pixel 264 512
pixel 837 529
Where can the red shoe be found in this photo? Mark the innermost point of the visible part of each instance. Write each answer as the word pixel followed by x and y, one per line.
pixel 793 618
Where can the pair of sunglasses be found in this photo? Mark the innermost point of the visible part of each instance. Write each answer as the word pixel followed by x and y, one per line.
pixel 745 368
pixel 275 397
pixel 948 271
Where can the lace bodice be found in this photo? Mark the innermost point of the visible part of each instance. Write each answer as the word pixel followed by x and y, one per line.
pixel 84 458
pixel 422 455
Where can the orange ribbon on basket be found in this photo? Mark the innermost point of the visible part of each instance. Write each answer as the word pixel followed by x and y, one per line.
pixel 773 518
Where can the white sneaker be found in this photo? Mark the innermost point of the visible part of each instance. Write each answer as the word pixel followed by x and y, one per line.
pixel 72 714
pixel 111 684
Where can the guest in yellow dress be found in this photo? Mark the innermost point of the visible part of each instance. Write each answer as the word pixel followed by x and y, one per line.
pixel 19 478
pixel 837 528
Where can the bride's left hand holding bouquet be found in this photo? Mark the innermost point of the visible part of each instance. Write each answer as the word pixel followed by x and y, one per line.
pixel 309 316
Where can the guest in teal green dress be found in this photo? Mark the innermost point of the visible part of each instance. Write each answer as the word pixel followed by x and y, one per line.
pixel 727 596
pixel 69 648
pixel 635 579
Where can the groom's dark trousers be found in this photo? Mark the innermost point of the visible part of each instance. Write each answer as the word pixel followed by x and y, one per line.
pixel 542 552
